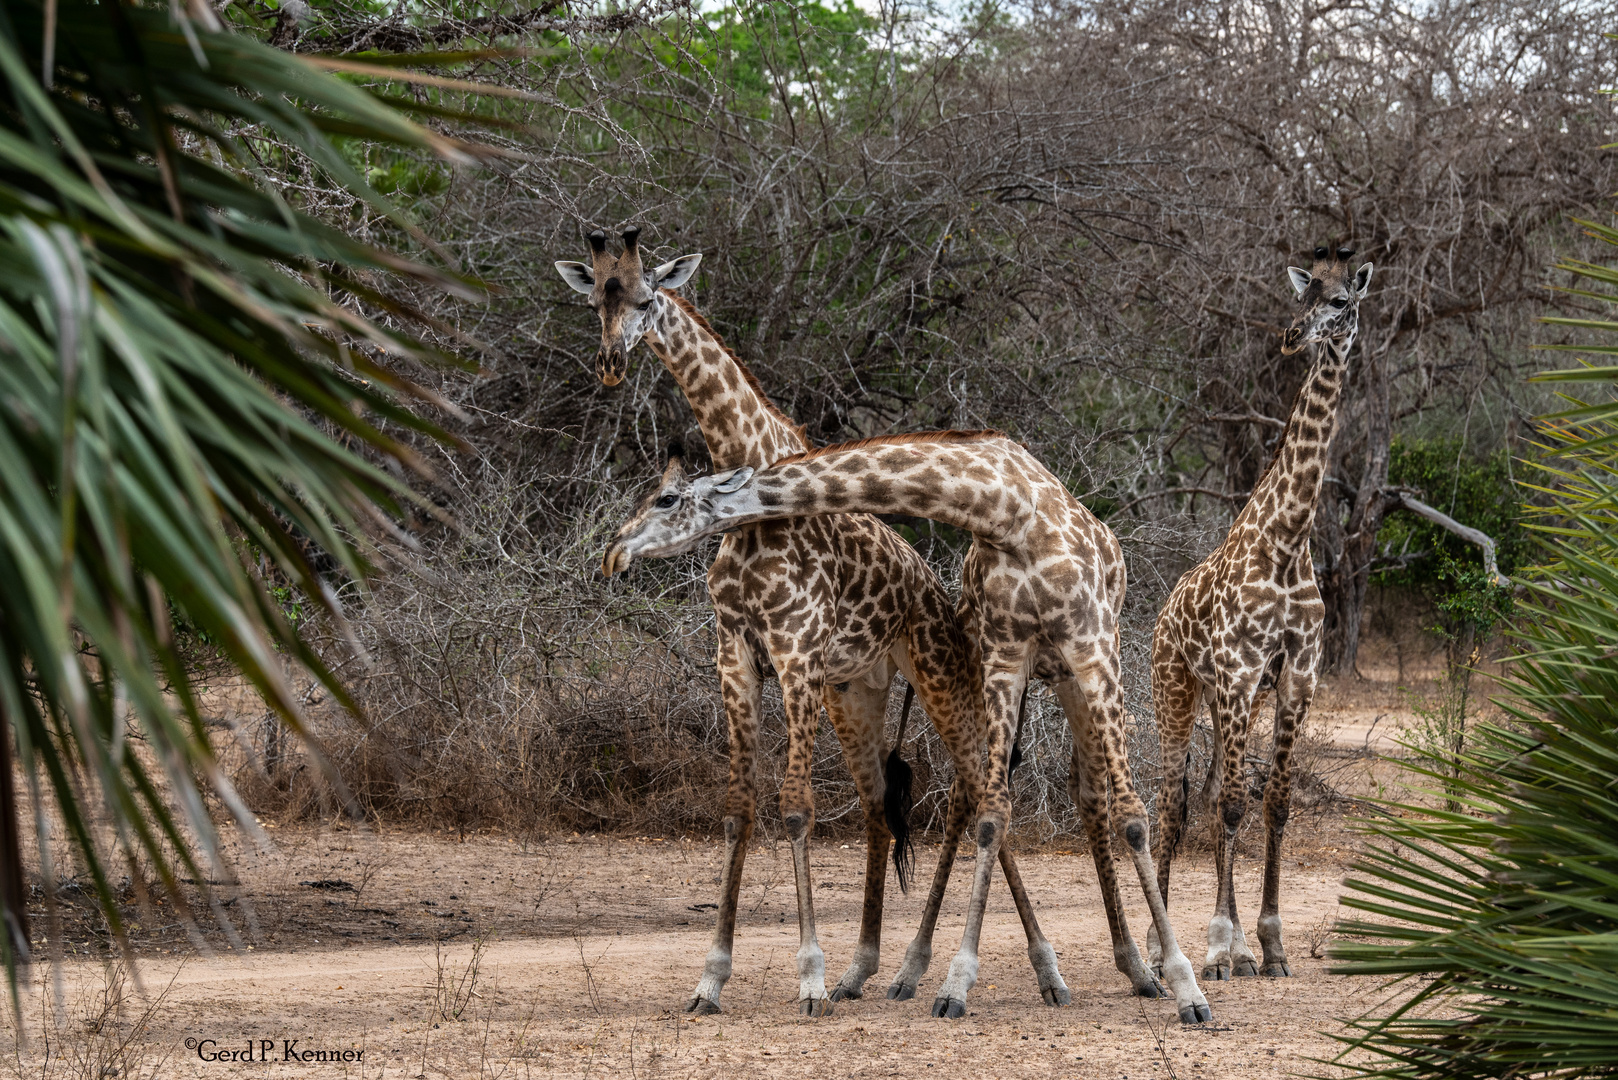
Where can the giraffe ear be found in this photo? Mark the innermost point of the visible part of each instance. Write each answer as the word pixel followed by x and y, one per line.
pixel 580 277
pixel 1362 280
pixel 1300 279
pixel 671 275
pixel 725 483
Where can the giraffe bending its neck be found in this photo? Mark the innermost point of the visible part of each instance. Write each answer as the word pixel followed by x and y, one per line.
pixel 1041 589
pixel 835 606
pixel 1248 619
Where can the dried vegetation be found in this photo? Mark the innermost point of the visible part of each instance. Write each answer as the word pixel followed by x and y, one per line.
pixel 1069 221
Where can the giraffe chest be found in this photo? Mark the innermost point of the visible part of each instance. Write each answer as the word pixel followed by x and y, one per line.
pixel 827 592
pixel 1234 616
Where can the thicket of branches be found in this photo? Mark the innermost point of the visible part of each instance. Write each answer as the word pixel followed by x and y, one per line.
pixel 1070 221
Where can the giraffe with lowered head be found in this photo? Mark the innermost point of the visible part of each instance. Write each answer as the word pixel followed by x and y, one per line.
pixel 1042 589
pixel 835 606
pixel 1247 620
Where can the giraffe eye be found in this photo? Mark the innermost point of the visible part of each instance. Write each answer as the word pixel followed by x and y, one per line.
pixel 1339 303
pixel 666 501
pixel 645 306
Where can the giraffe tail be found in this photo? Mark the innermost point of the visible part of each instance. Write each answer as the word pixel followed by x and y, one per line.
pixel 1185 804
pixel 1016 740
pixel 898 799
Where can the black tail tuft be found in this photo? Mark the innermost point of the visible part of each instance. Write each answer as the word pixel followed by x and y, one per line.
pixel 896 804
pixel 1016 738
pixel 1185 805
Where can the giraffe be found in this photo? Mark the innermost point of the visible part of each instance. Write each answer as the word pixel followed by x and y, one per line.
pixel 835 606
pixel 1247 620
pixel 1041 591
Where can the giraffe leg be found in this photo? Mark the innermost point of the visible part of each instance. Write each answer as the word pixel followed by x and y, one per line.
pixel 1228 953
pixel 1098 678
pixel 740 688
pixel 920 953
pixel 1174 700
pixel 1294 692
pixel 1002 692
pixel 801 698
pixel 1086 780
pixel 1040 952
pixel 857 714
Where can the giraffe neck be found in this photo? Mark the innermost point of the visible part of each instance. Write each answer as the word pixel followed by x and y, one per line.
pixel 1282 507
pixel 981 482
pixel 739 423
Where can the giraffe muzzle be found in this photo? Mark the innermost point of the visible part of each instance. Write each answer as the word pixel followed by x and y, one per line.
pixel 615 561
pixel 1292 340
pixel 612 365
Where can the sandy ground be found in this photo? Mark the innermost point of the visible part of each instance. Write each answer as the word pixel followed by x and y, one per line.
pixel 586 950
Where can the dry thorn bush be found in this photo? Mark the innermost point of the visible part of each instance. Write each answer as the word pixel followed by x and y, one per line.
pixel 922 230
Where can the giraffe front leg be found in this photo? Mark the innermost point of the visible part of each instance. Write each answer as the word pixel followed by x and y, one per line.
pixel 919 956
pixel 740 689
pixel 1052 990
pixel 1293 695
pixel 801 700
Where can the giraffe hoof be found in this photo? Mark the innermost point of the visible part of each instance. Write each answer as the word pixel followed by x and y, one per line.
pixel 1195 1014
pixel 815 1007
pixel 949 1008
pixel 1244 967
pixel 1216 972
pixel 841 993
pixel 1277 971
pixel 901 992
pixel 1056 996
pixel 1151 988
pixel 701 1006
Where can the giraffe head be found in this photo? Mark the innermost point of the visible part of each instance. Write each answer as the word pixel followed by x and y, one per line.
pixel 1330 296
pixel 674 516
pixel 625 295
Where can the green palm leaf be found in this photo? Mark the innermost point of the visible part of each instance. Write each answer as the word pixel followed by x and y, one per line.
pixel 175 368
pixel 1510 906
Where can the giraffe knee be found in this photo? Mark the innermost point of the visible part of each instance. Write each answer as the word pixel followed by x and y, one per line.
pixel 987 831
pixel 1135 835
pixel 1231 812
pixel 796 826
pixel 1276 813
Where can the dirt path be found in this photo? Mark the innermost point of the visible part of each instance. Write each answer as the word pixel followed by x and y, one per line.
pixel 591 947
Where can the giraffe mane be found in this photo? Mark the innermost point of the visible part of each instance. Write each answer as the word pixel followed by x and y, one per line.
pixel 894 440
pixel 747 373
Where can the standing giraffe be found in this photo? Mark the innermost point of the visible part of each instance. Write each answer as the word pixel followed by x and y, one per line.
pixel 835 606
pixel 1247 619
pixel 1041 591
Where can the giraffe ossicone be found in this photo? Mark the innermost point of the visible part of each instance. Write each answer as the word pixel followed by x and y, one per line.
pixel 1248 619
pixel 1042 591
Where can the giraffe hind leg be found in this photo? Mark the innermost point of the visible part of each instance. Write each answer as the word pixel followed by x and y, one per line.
pixel 1174 699
pixel 1294 693
pixel 1086 781
pixel 919 956
pixel 858 712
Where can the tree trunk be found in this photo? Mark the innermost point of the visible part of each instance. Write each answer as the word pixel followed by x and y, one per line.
pixel 1349 519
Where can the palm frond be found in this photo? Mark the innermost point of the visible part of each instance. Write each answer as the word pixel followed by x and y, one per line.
pixel 177 363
